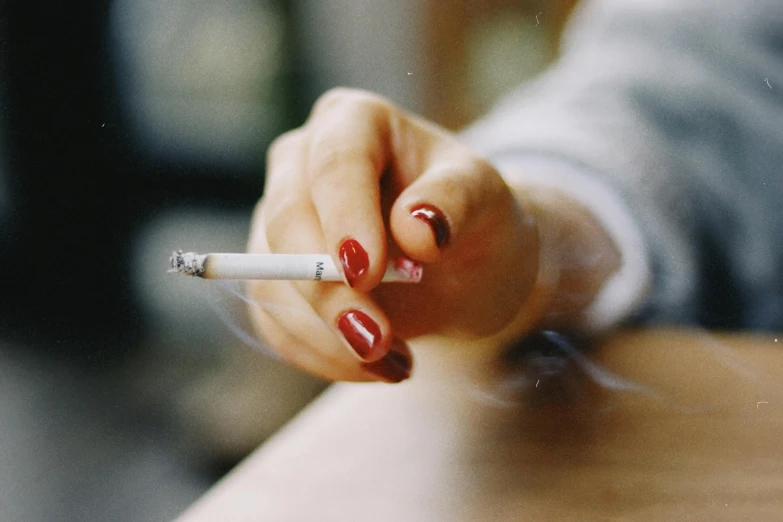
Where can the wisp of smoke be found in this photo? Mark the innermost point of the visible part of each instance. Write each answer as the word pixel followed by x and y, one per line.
pixel 533 366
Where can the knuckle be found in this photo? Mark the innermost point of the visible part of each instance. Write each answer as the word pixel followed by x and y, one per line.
pixel 344 98
pixel 486 173
pixel 314 293
pixel 496 186
pixel 481 166
pixel 279 227
pixel 332 97
pixel 257 242
pixel 259 211
pixel 330 159
pixel 265 327
pixel 283 146
pixel 280 202
pixel 454 190
pixel 279 339
pixel 476 176
pixel 270 326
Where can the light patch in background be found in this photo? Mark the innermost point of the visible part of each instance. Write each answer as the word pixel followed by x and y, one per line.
pixel 375 46
pixel 200 77
pixel 504 52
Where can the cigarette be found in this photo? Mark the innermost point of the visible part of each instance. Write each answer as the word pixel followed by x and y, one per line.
pixel 288 267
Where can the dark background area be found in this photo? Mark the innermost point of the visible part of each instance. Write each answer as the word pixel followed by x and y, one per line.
pixel 91 419
pixel 81 185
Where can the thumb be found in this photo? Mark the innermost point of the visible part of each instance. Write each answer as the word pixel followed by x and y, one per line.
pixel 460 206
pixel 463 219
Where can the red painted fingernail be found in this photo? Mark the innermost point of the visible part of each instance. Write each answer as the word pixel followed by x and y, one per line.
pixel 354 260
pixel 436 220
pixel 393 368
pixel 361 332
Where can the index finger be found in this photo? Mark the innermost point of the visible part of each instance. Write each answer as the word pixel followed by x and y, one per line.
pixel 347 154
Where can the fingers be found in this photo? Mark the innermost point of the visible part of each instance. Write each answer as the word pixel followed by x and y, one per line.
pixel 307 342
pixel 351 140
pixel 347 151
pixel 326 329
pixel 358 167
pixel 290 224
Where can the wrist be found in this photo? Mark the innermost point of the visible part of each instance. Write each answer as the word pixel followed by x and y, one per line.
pixel 591 249
pixel 577 256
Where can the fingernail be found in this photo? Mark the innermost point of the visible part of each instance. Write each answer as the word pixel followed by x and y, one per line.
pixel 361 332
pixel 393 368
pixel 436 220
pixel 354 260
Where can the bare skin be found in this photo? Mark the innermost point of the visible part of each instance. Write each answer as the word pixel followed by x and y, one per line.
pixel 363 172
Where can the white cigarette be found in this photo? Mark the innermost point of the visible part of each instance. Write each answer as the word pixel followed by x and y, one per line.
pixel 289 267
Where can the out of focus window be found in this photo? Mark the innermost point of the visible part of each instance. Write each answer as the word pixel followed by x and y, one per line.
pixel 202 78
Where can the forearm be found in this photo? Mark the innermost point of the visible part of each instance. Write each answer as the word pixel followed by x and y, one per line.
pixel 667 105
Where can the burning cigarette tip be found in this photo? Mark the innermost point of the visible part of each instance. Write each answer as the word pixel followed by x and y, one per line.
pixel 187 263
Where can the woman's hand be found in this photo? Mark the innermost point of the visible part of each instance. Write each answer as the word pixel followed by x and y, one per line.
pixel 366 182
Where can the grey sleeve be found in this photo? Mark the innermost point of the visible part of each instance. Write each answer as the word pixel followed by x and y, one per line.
pixel 678 106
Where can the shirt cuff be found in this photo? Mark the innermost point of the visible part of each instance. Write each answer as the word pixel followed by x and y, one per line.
pixel 624 292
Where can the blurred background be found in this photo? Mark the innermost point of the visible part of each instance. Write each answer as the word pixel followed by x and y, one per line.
pixel 131 128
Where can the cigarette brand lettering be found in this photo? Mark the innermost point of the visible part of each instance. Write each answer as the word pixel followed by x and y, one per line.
pixel 319 270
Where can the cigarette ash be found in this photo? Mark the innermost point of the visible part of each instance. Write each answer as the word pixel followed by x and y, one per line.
pixel 188 263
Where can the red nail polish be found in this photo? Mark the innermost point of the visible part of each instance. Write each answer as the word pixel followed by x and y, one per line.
pixel 354 260
pixel 394 367
pixel 361 332
pixel 436 220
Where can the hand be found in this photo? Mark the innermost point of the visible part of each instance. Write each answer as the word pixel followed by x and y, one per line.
pixel 364 181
